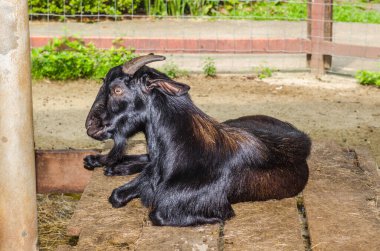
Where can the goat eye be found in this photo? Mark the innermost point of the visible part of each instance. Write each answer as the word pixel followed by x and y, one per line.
pixel 118 91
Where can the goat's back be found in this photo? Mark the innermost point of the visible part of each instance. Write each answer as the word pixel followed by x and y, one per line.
pixel 286 143
pixel 285 172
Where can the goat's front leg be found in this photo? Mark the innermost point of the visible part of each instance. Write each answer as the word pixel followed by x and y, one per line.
pixel 130 164
pixel 124 194
pixel 110 159
pixel 92 161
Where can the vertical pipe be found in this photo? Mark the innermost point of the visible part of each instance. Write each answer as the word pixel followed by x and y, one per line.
pixel 18 211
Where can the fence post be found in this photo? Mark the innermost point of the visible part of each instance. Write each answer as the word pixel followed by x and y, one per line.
pixel 18 211
pixel 319 28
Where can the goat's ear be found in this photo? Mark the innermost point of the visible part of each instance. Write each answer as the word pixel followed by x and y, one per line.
pixel 168 86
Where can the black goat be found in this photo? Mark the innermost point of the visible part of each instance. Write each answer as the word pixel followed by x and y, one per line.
pixel 196 167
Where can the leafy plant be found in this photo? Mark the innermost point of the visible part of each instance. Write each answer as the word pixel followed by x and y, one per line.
pixel 209 68
pixel 201 7
pixel 71 58
pixel 173 71
pixel 368 78
pixel 75 7
pixel 263 72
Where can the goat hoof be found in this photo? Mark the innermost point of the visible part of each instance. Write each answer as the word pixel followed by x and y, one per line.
pixel 115 201
pixel 108 171
pixel 156 218
pixel 89 168
pixel 91 161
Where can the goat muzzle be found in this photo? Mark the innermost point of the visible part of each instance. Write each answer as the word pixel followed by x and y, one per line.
pixel 98 133
pixel 96 129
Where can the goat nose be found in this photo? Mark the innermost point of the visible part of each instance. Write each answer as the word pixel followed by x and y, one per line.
pixel 89 123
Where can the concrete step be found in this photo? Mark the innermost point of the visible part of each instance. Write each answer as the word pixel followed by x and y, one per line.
pixel 340 202
pixel 270 225
pixel 341 199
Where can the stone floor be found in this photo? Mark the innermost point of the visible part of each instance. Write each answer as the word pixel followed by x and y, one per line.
pixel 338 210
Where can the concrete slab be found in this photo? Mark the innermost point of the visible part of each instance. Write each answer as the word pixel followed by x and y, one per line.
pixel 101 227
pixel 174 238
pixel 98 224
pixel 270 225
pixel 260 225
pixel 339 200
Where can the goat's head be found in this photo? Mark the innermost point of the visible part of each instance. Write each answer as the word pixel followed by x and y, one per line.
pixel 121 103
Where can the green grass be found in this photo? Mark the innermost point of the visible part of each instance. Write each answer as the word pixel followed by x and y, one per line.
pixel 263 72
pixel 370 1
pixel 294 11
pixel 274 10
pixel 355 13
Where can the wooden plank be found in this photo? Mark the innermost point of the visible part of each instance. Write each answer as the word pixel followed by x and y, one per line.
pixel 62 170
pixel 317 33
pixel 255 46
pixel 328 31
pixel 339 200
pixel 270 225
pixel 309 6
pixel 190 45
pixel 320 30
pixel 349 50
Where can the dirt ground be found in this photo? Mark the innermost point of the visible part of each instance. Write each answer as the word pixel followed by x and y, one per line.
pixel 331 107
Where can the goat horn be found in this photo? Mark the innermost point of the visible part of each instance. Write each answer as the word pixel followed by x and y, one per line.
pixel 132 66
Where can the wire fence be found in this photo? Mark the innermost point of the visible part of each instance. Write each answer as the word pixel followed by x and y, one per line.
pixel 291 10
pixel 205 9
pixel 278 33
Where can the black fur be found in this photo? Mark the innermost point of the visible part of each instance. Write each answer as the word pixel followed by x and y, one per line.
pixel 196 167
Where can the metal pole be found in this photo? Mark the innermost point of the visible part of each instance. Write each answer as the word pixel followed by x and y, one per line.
pixel 18 211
